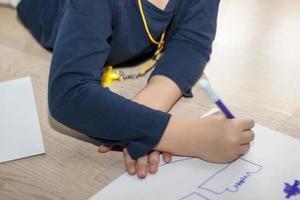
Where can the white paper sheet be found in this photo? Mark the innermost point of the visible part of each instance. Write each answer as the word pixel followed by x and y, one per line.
pixel 20 134
pixel 269 171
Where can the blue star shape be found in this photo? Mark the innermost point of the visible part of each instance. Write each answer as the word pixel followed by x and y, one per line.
pixel 292 190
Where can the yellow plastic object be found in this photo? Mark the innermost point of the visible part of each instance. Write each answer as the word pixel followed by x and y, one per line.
pixel 109 75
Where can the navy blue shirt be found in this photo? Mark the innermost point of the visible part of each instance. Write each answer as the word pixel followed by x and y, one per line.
pixel 86 35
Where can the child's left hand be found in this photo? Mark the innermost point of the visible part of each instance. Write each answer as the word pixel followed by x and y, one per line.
pixel 143 165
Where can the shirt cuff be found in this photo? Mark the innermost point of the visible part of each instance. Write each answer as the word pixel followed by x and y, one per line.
pixel 140 147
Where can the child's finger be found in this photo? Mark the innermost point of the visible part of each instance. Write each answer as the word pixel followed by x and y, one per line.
pixel 245 124
pixel 244 149
pixel 130 164
pixel 247 137
pixel 104 148
pixel 142 165
pixel 153 161
pixel 167 157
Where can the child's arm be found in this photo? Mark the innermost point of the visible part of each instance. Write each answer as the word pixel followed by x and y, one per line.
pixel 213 138
pixel 160 93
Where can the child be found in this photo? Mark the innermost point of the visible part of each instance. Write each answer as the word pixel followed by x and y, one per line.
pixel 87 35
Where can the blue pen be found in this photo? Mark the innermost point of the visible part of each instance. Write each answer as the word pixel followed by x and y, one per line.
pixel 213 96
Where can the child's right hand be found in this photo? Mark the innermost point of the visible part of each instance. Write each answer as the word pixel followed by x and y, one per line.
pixel 213 138
pixel 223 140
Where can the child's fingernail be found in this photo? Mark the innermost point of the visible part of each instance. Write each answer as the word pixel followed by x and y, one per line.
pixel 142 174
pixel 131 171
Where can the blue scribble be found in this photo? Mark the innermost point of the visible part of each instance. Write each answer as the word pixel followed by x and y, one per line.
pixel 237 185
pixel 242 181
pixel 292 190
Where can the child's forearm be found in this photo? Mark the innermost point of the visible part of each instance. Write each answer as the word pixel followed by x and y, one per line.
pixel 160 93
pixel 178 137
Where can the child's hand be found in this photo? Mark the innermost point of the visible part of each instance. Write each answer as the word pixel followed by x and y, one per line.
pixel 224 140
pixel 148 163
pixel 213 138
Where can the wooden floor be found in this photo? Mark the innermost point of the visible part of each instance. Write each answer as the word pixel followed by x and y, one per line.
pixel 255 67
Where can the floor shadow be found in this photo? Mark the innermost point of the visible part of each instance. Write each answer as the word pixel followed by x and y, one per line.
pixel 75 134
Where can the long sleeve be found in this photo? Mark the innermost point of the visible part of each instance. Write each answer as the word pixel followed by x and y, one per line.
pixel 189 49
pixel 75 97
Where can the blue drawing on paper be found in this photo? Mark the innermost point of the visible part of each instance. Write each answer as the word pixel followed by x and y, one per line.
pixel 292 189
pixel 217 184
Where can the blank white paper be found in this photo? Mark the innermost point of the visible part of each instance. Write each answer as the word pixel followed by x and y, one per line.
pixel 270 170
pixel 20 133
